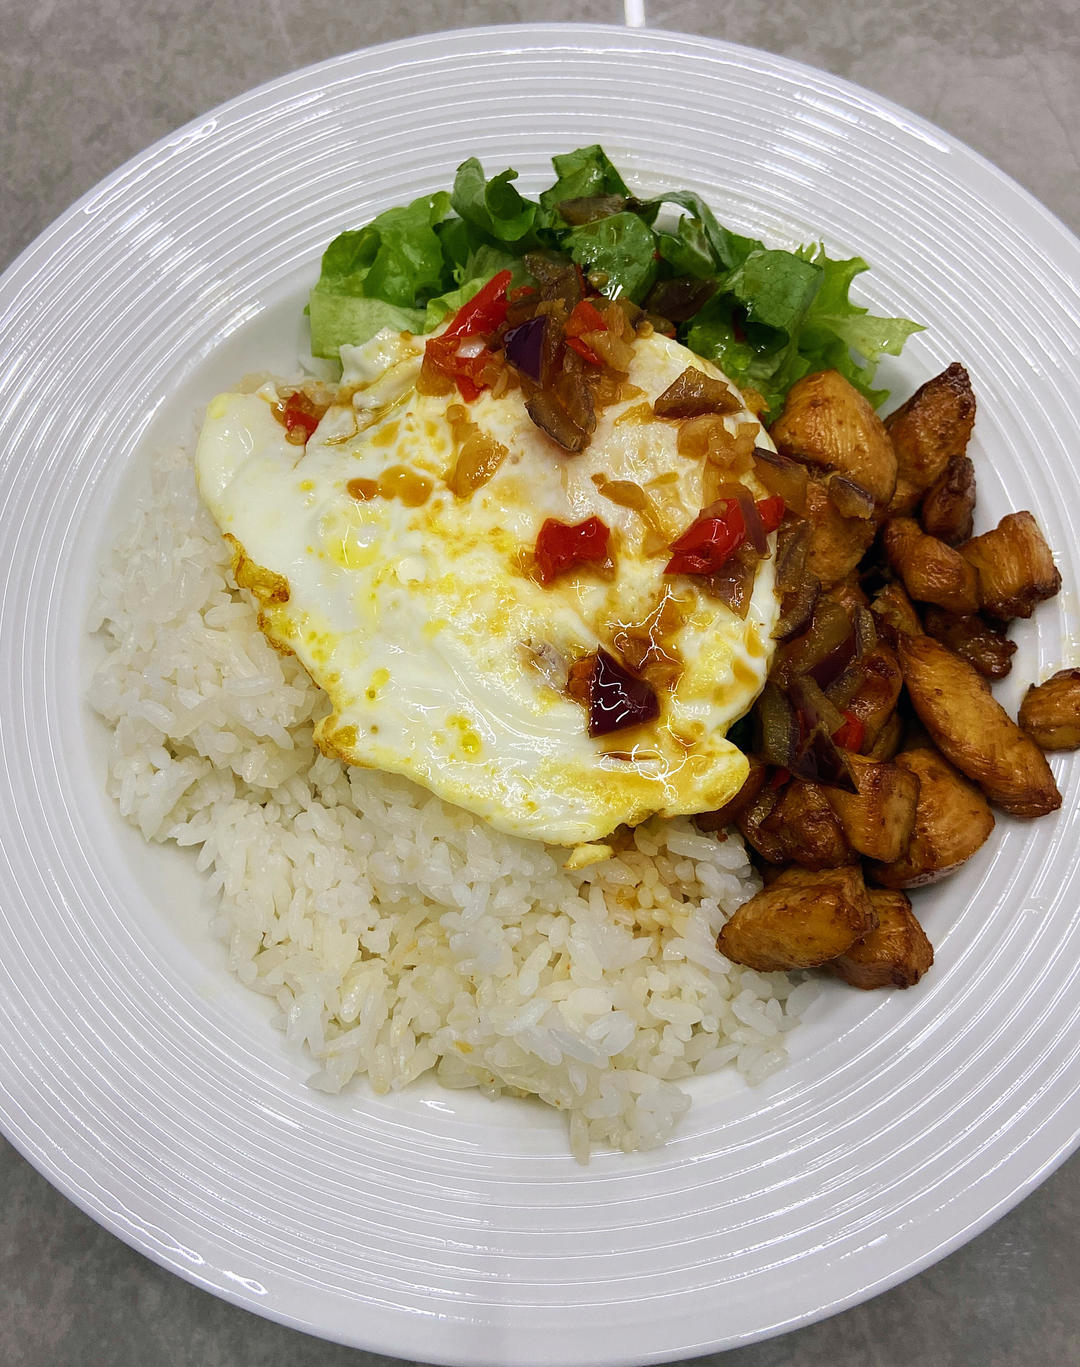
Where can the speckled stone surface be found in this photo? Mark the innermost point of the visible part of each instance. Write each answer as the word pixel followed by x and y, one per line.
pixel 83 86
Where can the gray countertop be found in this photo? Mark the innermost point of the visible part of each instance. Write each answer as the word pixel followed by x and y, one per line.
pixel 85 86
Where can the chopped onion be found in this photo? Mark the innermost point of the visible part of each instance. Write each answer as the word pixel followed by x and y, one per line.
pixel 848 498
pixel 835 662
pixel 813 707
pixel 617 698
pixel 820 760
pixel 733 583
pixel 825 649
pixel 524 346
pixel 480 456
pixel 755 531
pixel 797 608
pixel 778 727
pixel 782 475
pixel 625 492
pixel 551 417
pixel 470 347
pixel 792 553
pixel 865 631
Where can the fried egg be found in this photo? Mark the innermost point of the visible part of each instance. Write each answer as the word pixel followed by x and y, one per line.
pixel 404 581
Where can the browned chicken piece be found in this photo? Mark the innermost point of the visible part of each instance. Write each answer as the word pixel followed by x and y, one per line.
pixel 1050 712
pixel 952 819
pixel 889 740
pixel 801 920
pixel 828 424
pixel 933 426
pixel 948 508
pixel 915 735
pixel 895 610
pixel 837 543
pixel 984 645
pixel 878 820
pixel 874 700
pixel 747 794
pixel 974 731
pixel 896 954
pixel 932 572
pixel 1014 565
pixel 848 593
pixel 808 827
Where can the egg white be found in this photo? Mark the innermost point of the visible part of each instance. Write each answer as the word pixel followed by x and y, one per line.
pixel 438 650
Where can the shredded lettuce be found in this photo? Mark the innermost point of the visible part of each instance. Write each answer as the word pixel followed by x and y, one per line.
pixel 770 316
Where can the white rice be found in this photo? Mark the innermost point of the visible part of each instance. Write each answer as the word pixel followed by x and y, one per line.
pixel 400 935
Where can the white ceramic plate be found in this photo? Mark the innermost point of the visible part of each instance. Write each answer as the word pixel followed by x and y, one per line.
pixel 147 1085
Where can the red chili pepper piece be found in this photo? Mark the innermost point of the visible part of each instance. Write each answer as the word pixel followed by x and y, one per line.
pixel 585 352
pixel 484 311
pixel 300 415
pixel 562 545
pixel 444 353
pixel 851 733
pixel 771 511
pixel 585 317
pixel 707 543
pixel 617 698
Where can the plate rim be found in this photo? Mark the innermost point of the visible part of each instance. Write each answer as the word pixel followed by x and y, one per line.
pixel 535 37
pixel 540 31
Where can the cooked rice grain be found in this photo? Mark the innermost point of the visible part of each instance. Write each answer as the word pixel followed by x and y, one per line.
pixel 397 934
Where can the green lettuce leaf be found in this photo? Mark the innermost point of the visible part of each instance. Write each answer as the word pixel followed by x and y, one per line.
pixel 581 175
pixel 485 261
pixel 494 207
pixel 773 315
pixel 379 276
pixel 458 241
pixel 622 247
pixel 768 361
pixel 728 249
pixel 338 319
pixel 397 257
pixel 687 249
pixel 834 312
pixel 775 288
pixel 782 315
